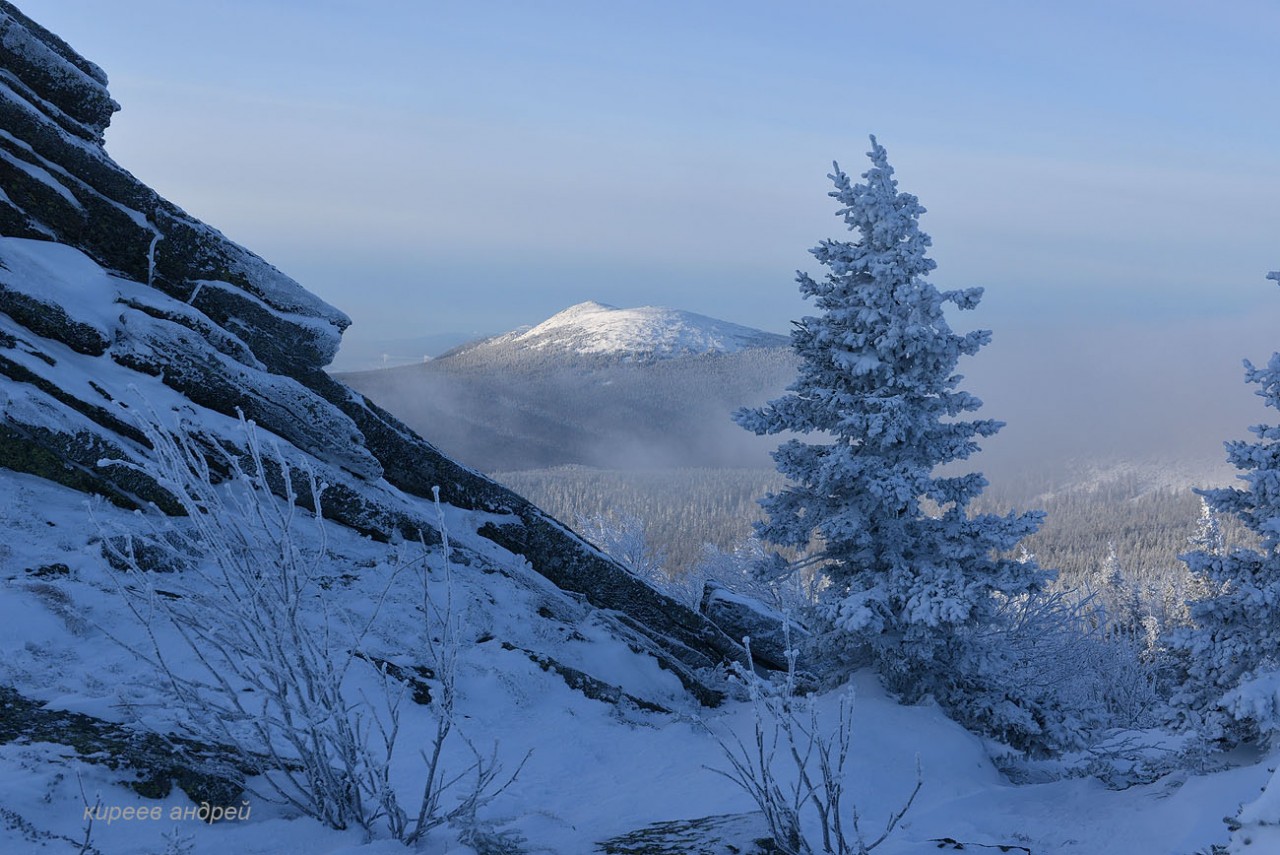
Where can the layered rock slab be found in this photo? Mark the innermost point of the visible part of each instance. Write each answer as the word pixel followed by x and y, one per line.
pixel 141 305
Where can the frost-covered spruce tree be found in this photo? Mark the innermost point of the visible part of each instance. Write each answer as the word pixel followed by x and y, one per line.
pixel 1208 534
pixel 1231 653
pixel 913 577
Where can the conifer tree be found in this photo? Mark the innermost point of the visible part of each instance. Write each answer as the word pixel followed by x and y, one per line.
pixel 1231 653
pixel 1208 534
pixel 913 578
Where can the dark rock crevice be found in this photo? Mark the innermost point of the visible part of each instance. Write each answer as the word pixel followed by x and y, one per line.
pixel 726 834
pixel 155 763
pixel 581 681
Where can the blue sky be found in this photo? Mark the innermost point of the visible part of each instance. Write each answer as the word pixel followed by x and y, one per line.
pixel 1103 168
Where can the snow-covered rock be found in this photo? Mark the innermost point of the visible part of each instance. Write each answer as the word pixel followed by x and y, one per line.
pixel 59 184
pixel 72 89
pixel 742 617
pixel 1256 828
pixel 115 304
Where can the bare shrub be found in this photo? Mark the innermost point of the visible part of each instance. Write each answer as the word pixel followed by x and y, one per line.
pixel 273 660
pixel 792 762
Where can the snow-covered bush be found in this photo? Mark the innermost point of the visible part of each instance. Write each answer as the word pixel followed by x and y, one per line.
pixel 263 663
pixel 622 536
pixel 1231 654
pixel 914 577
pixel 745 568
pixel 748 568
pixel 1076 681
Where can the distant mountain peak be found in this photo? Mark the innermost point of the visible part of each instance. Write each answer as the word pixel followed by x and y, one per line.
pixel 644 331
pixel 587 307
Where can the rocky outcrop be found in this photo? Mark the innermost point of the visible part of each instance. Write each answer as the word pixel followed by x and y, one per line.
pixel 597 690
pixel 1256 826
pixel 151 764
pixel 741 617
pixel 59 184
pixel 728 834
pixel 42 65
pixel 117 305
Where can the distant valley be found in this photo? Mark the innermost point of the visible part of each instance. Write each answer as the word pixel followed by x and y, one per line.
pixel 600 411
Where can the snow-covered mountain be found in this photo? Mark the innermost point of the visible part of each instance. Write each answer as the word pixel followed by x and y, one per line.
pixel 594 385
pixel 642 332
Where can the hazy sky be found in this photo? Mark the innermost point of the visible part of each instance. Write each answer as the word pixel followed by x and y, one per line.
pixel 1108 170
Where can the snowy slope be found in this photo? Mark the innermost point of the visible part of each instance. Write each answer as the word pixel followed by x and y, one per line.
pixel 645 331
pixel 596 770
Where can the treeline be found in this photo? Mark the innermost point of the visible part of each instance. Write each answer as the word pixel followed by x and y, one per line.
pixel 683 509
pixel 1148 530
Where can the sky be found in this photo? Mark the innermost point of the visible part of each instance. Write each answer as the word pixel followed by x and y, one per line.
pixel 1106 170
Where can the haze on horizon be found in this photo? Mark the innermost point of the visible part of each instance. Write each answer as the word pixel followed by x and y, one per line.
pixel 1106 170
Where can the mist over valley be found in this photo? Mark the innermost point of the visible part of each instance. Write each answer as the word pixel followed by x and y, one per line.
pixel 589 414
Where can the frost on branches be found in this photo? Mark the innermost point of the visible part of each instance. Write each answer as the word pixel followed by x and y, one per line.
pixel 913 577
pixel 1231 654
